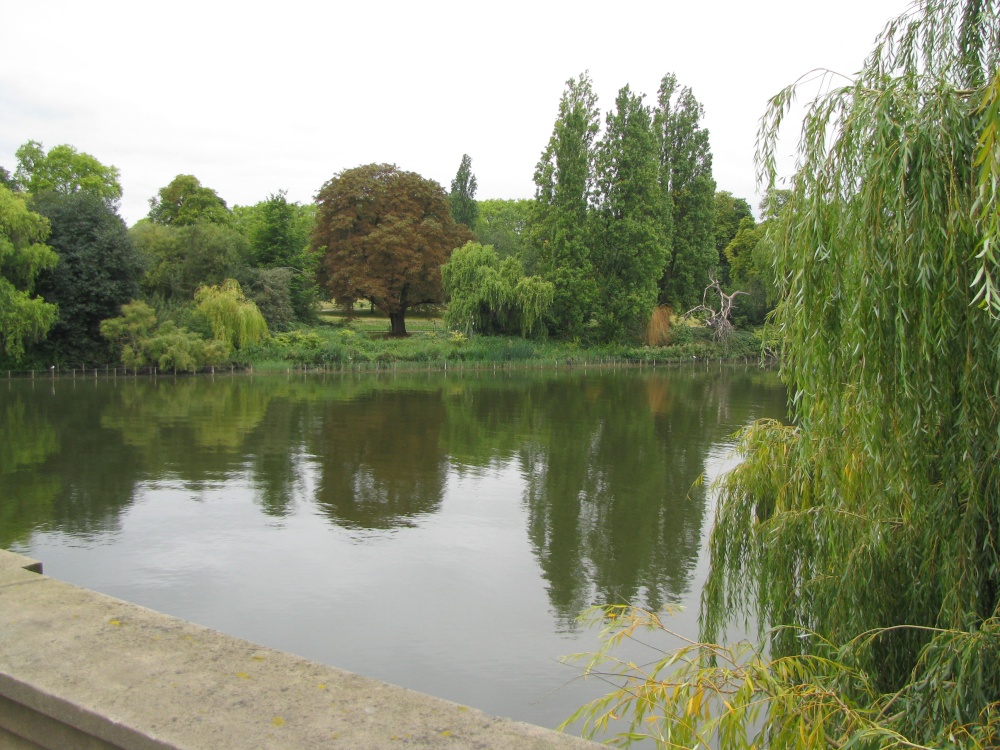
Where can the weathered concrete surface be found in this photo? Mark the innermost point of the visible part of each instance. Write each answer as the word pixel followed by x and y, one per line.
pixel 10 561
pixel 108 674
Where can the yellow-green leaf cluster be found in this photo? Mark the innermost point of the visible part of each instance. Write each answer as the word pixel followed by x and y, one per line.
pixel 236 322
pixel 490 295
pixel 23 255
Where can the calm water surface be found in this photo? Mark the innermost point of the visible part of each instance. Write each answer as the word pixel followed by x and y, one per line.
pixel 440 532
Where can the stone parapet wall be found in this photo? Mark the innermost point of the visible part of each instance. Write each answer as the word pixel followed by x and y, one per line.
pixel 86 671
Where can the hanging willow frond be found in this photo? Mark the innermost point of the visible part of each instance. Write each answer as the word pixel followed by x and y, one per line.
pixel 737 697
pixel 882 505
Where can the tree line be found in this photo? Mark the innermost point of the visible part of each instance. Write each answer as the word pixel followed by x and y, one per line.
pixel 186 286
pixel 625 220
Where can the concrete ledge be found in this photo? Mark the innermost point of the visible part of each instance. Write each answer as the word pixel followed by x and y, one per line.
pixel 13 561
pixel 82 670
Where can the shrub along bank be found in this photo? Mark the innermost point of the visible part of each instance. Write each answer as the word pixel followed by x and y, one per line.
pixel 344 348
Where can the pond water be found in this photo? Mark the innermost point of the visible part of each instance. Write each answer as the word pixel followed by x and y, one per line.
pixel 437 531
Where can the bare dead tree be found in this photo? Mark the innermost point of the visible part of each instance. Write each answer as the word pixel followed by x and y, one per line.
pixel 717 320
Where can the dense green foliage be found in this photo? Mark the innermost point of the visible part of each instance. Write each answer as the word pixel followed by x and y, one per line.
pixel 563 190
pixel 504 225
pixel 730 214
pixel 748 270
pixel 865 537
pixel 614 216
pixel 130 332
pixel 281 276
pixel 145 342
pixel 629 243
pixel 599 234
pixel 235 321
pixel 191 240
pixel 462 197
pixel 23 256
pixel 98 271
pixel 893 367
pixel 686 176
pixel 7 181
pixel 180 259
pixel 750 257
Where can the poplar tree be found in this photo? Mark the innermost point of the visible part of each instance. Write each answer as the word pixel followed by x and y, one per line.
pixel 564 183
pixel 462 197
pixel 629 245
pixel 689 194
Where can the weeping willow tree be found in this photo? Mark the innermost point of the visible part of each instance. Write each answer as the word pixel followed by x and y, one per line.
pixel 234 319
pixel 145 342
pixel 865 537
pixel 491 295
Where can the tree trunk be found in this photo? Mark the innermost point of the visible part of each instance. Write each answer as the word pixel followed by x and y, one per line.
pixel 398 321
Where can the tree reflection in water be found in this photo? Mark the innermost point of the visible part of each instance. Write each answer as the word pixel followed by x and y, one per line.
pixel 609 460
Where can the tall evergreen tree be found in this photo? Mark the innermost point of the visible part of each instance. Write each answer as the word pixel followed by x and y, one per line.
pixel 629 246
pixel 564 186
pixel 686 176
pixel 462 197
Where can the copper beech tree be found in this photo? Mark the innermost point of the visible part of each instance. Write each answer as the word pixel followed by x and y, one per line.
pixel 384 235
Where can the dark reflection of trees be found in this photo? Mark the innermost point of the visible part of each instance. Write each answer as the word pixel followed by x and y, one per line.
pixel 69 473
pixel 613 514
pixel 75 451
pixel 489 418
pixel 189 429
pixel 26 493
pixel 380 458
pixel 609 459
pixel 279 451
pixel 274 453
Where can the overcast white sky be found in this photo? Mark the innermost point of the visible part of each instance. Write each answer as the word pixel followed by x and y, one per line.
pixel 255 97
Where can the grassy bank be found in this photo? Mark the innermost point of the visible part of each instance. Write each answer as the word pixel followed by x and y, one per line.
pixel 347 347
pixel 362 344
